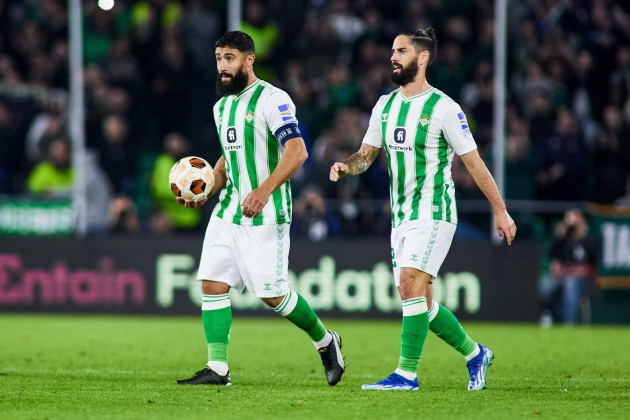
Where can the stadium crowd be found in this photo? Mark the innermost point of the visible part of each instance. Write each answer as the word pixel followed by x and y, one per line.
pixel 149 84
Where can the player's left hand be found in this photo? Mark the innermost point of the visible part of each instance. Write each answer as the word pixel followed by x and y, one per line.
pixel 194 204
pixel 255 202
pixel 505 226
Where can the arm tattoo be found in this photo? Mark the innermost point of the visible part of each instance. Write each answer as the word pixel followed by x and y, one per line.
pixel 361 161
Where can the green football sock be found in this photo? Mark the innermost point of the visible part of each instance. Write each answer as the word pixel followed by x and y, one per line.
pixel 446 326
pixel 415 327
pixel 216 314
pixel 297 310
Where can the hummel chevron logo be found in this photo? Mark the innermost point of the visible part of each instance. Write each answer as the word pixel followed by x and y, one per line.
pixel 267 286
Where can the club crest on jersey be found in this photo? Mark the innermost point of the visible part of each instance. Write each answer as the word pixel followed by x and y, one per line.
pixel 249 117
pixel 424 120
pixel 384 116
pixel 464 123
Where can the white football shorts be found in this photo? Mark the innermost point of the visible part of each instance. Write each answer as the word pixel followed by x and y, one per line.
pixel 421 244
pixel 255 258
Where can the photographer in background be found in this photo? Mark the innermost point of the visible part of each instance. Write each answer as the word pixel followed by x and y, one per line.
pixel 573 260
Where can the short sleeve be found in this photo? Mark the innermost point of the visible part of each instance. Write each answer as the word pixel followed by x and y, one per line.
pixel 456 130
pixel 279 113
pixel 373 136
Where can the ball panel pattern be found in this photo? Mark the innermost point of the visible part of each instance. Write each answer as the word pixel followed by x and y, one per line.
pixel 191 178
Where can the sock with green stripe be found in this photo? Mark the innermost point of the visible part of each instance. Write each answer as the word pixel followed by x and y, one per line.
pixel 297 310
pixel 446 326
pixel 216 314
pixel 415 327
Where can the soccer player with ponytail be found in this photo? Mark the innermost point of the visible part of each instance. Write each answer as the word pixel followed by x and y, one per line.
pixel 421 129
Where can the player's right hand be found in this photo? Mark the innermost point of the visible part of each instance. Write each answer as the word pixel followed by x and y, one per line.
pixel 337 171
pixel 191 203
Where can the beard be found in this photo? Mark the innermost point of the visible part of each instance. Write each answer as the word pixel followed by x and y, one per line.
pixel 406 75
pixel 235 85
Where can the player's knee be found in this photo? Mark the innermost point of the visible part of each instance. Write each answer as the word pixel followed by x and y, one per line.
pixel 214 287
pixel 413 283
pixel 273 302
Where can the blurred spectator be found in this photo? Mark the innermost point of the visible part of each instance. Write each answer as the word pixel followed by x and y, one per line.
pixel 171 87
pixel 318 46
pixel 117 155
pixel 448 73
pixel 123 216
pixel 200 29
pixel 310 218
pixel 541 119
pixel 101 28
pixel 98 197
pixel 520 169
pixel 10 153
pixel 54 176
pixel 176 147
pixel 121 67
pixel 573 260
pixel 46 126
pixel 611 160
pixel 620 78
pixel 536 82
pixel 265 34
pixel 562 174
pixel 347 26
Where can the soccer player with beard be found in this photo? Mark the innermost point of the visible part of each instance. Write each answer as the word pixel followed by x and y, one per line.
pixel 420 129
pixel 247 239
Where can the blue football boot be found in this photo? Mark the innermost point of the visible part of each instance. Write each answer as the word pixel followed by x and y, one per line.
pixel 393 382
pixel 478 367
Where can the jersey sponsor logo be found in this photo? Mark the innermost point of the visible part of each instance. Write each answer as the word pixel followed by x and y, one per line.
pixel 285 112
pixel 231 135
pixel 400 135
pixel 425 120
pixel 384 116
pixel 249 117
pixel 464 123
pixel 231 139
pixel 397 148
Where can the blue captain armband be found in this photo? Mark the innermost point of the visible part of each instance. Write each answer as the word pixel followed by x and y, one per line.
pixel 287 132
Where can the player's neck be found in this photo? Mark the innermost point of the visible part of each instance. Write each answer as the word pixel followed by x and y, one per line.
pixel 251 79
pixel 417 87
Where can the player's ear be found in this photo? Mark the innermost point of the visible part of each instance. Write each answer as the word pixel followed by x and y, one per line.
pixel 423 58
pixel 250 59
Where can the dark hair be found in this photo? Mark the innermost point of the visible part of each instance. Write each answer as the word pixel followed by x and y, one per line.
pixel 423 40
pixel 237 40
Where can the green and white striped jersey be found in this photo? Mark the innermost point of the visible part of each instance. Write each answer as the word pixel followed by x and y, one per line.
pixel 253 126
pixel 420 135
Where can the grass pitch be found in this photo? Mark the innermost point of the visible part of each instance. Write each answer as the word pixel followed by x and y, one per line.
pixel 84 367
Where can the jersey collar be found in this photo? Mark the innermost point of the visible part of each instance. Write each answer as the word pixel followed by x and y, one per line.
pixel 246 89
pixel 415 96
